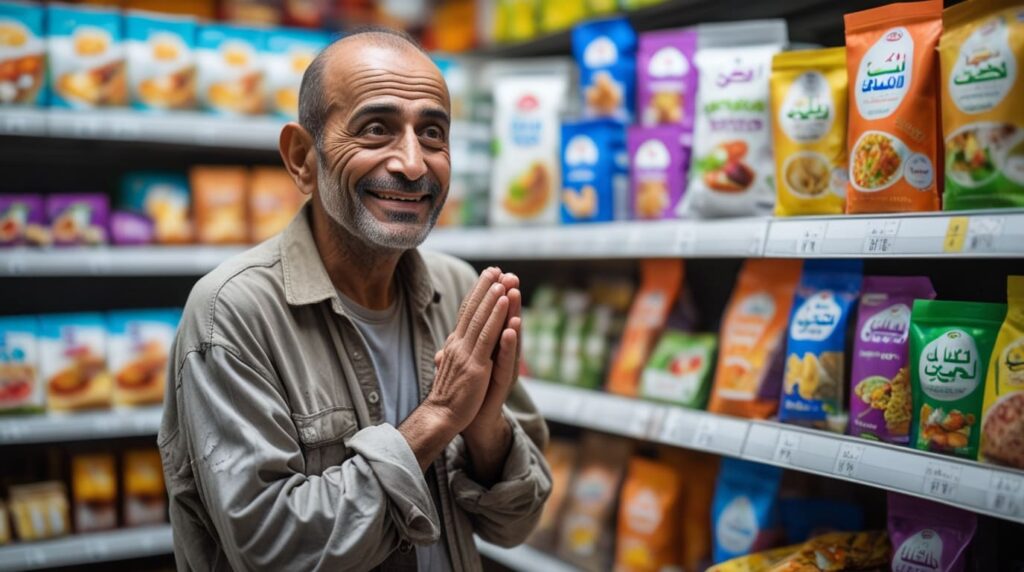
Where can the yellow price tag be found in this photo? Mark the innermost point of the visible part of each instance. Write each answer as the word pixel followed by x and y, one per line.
pixel 956 233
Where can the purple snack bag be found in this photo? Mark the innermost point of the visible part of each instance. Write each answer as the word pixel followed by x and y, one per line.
pixel 927 536
pixel 21 219
pixel 130 229
pixel 880 398
pixel 78 218
pixel 667 79
pixel 657 168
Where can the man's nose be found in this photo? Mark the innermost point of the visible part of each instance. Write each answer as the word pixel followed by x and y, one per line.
pixel 408 157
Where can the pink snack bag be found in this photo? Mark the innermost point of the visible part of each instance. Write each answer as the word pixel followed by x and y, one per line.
pixel 928 536
pixel 667 79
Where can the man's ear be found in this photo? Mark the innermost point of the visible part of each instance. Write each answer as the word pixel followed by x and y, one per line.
pixel 298 152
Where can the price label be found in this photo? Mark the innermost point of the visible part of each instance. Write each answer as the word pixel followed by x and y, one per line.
pixel 982 233
pixel 786 447
pixel 941 479
pixel 1005 493
pixel 686 239
pixel 847 459
pixel 878 244
pixel 811 238
pixel 956 233
pixel 704 435
pixel 639 422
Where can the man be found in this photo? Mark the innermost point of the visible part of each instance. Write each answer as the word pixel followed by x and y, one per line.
pixel 332 407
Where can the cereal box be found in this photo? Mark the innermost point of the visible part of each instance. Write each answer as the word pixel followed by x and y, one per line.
pixel 657 169
pixel 164 198
pixel 231 72
pixel 73 361
pixel 161 61
pixel 288 54
pixel 20 388
pixel 22 54
pixel 138 342
pixel 667 79
pixel 22 220
pixel 595 172
pixel 87 67
pixel 78 218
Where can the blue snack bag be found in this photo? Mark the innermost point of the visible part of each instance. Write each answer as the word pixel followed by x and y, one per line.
pixel 86 57
pixel 815 378
pixel 744 511
pixel 606 53
pixel 595 172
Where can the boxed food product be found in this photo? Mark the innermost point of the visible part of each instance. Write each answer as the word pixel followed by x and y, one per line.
pixel 20 389
pixel 880 401
pixel 657 166
pixel 927 535
pixel 161 60
pixel 288 54
pixel 73 361
pixel 649 517
pixel 22 220
pixel 679 371
pixel 809 131
pixel 22 54
pixel 86 57
pixel 595 172
pixel 1002 424
pixel 606 53
pixel 748 377
pixel 950 345
pixel 895 159
pixel 130 229
pixel 526 167
pixel 145 498
pixel 840 551
pixel 230 71
pixel 219 194
pixel 164 198
pixel 94 491
pixel 138 344
pixel 40 510
pixel 982 112
pixel 78 218
pixel 733 169
pixel 815 382
pixel 561 456
pixel 273 202
pixel 667 80
pixel 745 508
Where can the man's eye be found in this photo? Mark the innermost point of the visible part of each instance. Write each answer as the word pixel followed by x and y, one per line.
pixel 375 130
pixel 433 133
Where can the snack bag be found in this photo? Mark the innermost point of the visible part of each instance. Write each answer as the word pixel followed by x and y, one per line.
pixel 649 517
pixel 733 167
pixel 138 345
pixel 660 283
pixel 557 15
pixel 697 491
pixel 927 535
pixel 20 388
pixel 839 551
pixel 745 508
pixel 1002 425
pixel 658 162
pixel 145 500
pixel 667 80
pixel 288 53
pixel 950 345
pixel 161 61
pixel 595 172
pixel 73 361
pixel 230 76
pixel 679 371
pixel 165 199
pixel 880 398
pixel 40 510
pixel 94 491
pixel 814 381
pixel 809 131
pixel 980 52
pixel 748 377
pixel 273 202
pixel 561 456
pixel 22 54
pixel 895 159
pixel 130 229
pixel 606 53
pixel 23 220
pixel 219 194
pixel 86 57
pixel 756 562
pixel 78 218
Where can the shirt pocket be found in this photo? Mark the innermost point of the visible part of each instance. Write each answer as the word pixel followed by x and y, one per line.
pixel 323 435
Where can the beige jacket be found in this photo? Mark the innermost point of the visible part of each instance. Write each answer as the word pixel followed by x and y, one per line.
pixel 274 449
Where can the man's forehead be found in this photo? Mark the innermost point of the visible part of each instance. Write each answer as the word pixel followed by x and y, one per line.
pixel 358 70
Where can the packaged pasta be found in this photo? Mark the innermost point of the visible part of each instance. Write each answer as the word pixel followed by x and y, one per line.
pixel 220 206
pixel 657 166
pixel 649 517
pixel 606 53
pixel 895 157
pixel 981 51
pixel 86 57
pixel 667 79
pixel 94 491
pixel 880 401
pixel 595 172
pixel 679 370
pixel 950 346
pixel 1002 424
pixel 745 513
pixel 22 54
pixel 809 131
pixel 929 536
pixel 20 388
pixel 73 361
pixel 561 456
pixel 161 60
pixel 748 377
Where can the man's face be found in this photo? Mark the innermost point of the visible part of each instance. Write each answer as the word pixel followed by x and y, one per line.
pixel 384 166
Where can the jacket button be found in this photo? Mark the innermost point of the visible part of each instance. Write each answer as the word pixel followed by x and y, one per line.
pixel 373 397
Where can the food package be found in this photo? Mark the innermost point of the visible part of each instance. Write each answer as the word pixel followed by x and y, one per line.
pixel 649 517
pixel 982 48
pixel 94 492
pixel 557 15
pixel 661 280
pixel 756 562
pixel 219 194
pixel 815 378
pixel 804 518
pixel 544 350
pixel 273 202
pixel 23 220
pixel 892 66
pixel 658 163
pixel 73 361
pixel 515 20
pixel 571 363
pixel 78 218
pixel 587 531
pixel 230 69
pixel 667 79
pixel 929 536
pixel 605 51
pixel 839 551
pixel 880 397
pixel 1002 424
pixel 164 198
pixel 809 131
pixel 288 53
pixel 748 377
pixel 698 490
pixel 86 57
pixel 161 60
pixel 130 229
pixel 595 172
pixel 138 344
pixel 40 510
pixel 561 456
pixel 745 508
pixel 950 346
pixel 145 498
pixel 733 167
pixel 679 370
pixel 20 388
pixel 22 54
pixel 527 133
pixel 5 524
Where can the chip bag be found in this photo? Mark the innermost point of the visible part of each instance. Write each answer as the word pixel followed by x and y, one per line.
pixel 649 517
pixel 927 535
pixel 839 551
pixel 679 370
pixel 561 456
pixel 219 194
pixel 605 51
pixel 745 508
pixel 1002 425
pixel 698 489
pixel 756 562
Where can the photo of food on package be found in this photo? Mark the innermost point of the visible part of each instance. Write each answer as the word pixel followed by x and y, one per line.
pixel 220 204
pixel 667 79
pixel 23 220
pixel 605 51
pixel 929 535
pixel 595 172
pixel 22 54
pixel 20 389
pixel 138 344
pixel 289 52
pixel 649 517
pixel 73 361
pixel 1002 425
pixel 231 77
pixel 658 162
pixel 680 368
pixel 161 61
pixel 78 218
pixel 86 57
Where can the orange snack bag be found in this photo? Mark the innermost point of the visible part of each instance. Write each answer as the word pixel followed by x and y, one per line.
pixel 273 202
pixel 561 456
pixel 700 471
pixel 748 379
pixel 649 518
pixel 218 195
pixel 660 284
pixel 894 135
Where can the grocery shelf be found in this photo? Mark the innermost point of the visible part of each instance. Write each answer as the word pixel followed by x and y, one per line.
pixel 987 489
pixel 91 548
pixel 523 558
pixel 86 425
pixel 114 261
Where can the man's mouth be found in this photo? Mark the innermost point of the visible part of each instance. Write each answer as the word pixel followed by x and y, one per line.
pixel 402 197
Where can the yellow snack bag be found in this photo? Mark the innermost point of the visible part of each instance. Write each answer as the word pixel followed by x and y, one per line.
pixel 808 90
pixel 756 562
pixel 649 518
pixel 1002 426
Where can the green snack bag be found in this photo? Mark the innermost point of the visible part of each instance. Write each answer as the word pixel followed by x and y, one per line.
pixel 575 304
pixel 679 370
pixel 950 346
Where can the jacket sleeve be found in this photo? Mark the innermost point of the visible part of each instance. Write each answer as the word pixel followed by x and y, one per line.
pixel 248 464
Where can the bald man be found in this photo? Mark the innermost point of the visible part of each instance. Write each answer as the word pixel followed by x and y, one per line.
pixel 333 405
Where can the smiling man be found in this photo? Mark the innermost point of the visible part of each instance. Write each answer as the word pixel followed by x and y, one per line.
pixel 334 406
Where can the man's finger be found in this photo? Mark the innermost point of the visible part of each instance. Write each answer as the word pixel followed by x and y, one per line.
pixel 469 305
pixel 515 303
pixel 491 330
pixel 505 364
pixel 482 313
pixel 509 280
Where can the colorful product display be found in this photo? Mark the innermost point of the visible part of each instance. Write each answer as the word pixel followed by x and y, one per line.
pixel 745 514
pixel 667 80
pixel 595 180
pixel 679 370
pixel 86 57
pixel 161 61
pixel 927 535
pixel 649 517
pixel 73 361
pixel 138 344
pixel 605 51
pixel 1002 424
pixel 22 54
pixel 230 74
pixel 658 162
